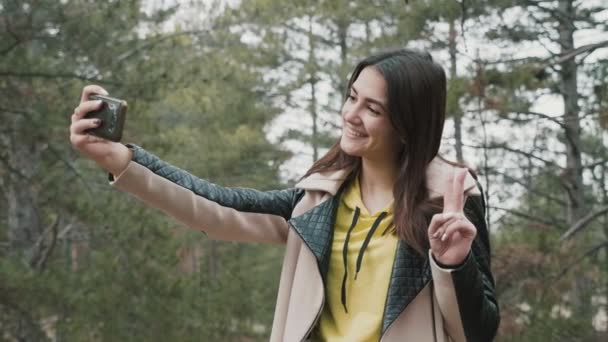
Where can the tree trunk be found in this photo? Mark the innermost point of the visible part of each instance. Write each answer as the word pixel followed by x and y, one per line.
pixel 342 32
pixel 603 172
pixel 312 80
pixel 572 177
pixel 23 215
pixel 457 113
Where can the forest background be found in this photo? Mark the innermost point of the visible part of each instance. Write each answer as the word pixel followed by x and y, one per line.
pixel 248 94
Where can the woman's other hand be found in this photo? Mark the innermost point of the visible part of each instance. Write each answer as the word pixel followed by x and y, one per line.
pixel 451 233
pixel 112 156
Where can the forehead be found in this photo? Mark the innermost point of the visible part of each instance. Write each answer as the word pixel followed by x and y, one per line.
pixel 371 83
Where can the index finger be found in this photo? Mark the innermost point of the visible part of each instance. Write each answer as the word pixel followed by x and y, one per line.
pixel 91 89
pixel 458 190
pixel 453 197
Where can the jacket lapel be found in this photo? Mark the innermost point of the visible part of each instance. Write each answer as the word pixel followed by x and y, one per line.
pixel 316 228
pixel 411 273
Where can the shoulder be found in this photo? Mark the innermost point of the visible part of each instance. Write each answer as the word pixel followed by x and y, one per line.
pixel 328 181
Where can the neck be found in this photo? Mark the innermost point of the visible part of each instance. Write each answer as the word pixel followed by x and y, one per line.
pixel 377 177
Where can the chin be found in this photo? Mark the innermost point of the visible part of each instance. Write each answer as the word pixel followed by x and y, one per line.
pixel 348 148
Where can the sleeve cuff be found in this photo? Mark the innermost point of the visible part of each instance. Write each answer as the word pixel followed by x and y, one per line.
pixel 450 268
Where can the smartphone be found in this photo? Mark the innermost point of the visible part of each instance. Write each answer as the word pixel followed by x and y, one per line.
pixel 112 114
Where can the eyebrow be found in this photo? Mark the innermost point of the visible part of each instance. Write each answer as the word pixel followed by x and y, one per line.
pixel 368 99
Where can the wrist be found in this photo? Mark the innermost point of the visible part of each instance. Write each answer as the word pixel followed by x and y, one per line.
pixel 117 160
pixel 451 264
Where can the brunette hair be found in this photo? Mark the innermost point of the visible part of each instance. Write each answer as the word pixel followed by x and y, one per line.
pixel 416 95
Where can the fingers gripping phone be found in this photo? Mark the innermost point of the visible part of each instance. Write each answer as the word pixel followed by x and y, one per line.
pixel 112 114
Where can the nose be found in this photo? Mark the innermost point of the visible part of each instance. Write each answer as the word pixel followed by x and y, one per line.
pixel 350 113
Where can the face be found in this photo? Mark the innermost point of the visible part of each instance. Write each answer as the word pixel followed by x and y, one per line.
pixel 367 131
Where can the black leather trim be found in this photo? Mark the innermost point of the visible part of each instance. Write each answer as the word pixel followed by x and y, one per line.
pixel 473 281
pixel 411 273
pixel 316 228
pixel 274 202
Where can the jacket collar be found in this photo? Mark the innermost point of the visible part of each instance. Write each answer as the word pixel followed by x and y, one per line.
pixel 329 181
pixel 437 173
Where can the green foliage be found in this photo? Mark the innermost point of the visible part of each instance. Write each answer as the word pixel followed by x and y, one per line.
pixel 116 269
pixel 201 96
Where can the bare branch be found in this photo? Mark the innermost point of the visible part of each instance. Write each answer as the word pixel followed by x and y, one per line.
pixel 11 32
pixel 556 13
pixel 589 48
pixel 521 60
pixel 534 191
pixel 153 41
pixel 594 164
pixel 38 255
pixel 51 148
pixel 551 61
pixel 65 230
pixel 41 262
pixel 71 167
pixel 52 76
pixel 583 222
pixel 528 216
pixel 514 150
pixel 541 115
pixel 321 39
pixel 589 252
pixel 10 47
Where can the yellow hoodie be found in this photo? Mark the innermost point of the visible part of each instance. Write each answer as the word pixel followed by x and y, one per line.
pixel 360 266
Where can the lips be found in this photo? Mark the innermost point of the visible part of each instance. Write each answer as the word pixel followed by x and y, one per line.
pixel 353 133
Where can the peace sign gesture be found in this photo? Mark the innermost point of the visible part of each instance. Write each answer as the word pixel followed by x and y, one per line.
pixel 451 233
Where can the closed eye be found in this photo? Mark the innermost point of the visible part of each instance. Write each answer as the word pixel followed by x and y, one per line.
pixel 374 111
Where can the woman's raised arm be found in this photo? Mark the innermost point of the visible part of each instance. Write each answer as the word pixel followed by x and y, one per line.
pixel 236 214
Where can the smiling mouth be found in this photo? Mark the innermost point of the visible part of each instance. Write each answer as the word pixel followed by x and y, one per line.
pixel 352 133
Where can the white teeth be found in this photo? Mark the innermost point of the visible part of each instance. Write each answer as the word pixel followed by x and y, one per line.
pixel 353 132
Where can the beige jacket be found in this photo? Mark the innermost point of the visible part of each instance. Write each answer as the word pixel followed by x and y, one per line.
pixel 424 303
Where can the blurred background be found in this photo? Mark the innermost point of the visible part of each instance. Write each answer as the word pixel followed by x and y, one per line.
pixel 247 93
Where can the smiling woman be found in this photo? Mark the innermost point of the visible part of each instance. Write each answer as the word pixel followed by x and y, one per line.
pixel 385 240
pixel 393 118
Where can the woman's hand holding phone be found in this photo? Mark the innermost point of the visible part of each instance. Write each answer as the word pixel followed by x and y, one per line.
pixel 110 155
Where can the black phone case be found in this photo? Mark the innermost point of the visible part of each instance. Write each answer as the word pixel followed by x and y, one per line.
pixel 112 113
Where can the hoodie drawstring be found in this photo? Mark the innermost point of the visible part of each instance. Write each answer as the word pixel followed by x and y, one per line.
pixel 367 240
pixel 345 257
pixel 361 251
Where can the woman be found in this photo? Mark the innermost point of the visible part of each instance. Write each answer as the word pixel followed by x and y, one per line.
pixel 385 240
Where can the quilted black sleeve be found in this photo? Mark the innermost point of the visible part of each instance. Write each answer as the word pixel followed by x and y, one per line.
pixel 274 202
pixel 473 281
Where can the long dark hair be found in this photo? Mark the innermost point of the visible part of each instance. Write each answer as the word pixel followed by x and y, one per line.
pixel 416 94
